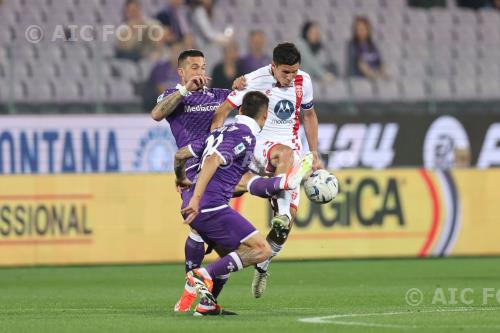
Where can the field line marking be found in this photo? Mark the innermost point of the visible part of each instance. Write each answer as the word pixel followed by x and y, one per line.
pixel 337 319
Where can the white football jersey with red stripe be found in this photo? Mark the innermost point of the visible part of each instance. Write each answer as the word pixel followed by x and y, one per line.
pixel 282 125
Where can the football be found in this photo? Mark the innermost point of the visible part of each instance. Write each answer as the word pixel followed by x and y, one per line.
pixel 321 187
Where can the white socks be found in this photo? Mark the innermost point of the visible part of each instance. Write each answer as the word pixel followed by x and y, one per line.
pixel 284 200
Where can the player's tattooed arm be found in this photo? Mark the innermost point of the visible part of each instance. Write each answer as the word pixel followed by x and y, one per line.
pixel 310 121
pixel 210 165
pixel 221 114
pixel 166 106
pixel 181 157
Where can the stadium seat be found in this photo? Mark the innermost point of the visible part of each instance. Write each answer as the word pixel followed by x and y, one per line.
pixel 465 17
pixel 440 67
pixel 419 36
pixel 394 4
pixel 488 70
pixel 488 35
pixel 489 88
pixel 120 91
pixel 40 91
pixel 336 91
pixel 440 17
pixel 391 52
pixel 414 69
pixel 415 51
pixel 49 51
pixel 489 18
pixel 413 89
pixel 416 18
pixel 393 68
pixel 126 69
pixel 465 38
pixel 465 89
pixel 463 69
pixel 360 89
pixel 388 90
pixel 440 88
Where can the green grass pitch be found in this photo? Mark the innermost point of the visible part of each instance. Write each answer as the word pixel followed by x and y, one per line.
pixel 459 295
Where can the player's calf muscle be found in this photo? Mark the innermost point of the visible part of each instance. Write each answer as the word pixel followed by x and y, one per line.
pixel 254 250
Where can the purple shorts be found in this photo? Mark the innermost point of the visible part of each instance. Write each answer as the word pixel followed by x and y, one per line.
pixel 224 227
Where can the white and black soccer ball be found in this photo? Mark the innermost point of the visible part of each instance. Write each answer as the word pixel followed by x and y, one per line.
pixel 321 187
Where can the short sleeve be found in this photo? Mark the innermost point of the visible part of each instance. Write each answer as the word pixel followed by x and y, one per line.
pixel 165 94
pixel 307 100
pixel 196 147
pixel 235 98
pixel 228 145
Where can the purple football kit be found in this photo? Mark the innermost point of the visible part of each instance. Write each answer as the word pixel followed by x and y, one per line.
pixel 217 223
pixel 190 121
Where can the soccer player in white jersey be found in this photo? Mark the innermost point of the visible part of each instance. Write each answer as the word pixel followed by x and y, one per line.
pixel 278 145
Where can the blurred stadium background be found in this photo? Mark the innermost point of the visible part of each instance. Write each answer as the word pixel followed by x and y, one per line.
pixel 411 129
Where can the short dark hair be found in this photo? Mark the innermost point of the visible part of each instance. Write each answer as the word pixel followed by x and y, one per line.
pixel 188 53
pixel 286 54
pixel 253 102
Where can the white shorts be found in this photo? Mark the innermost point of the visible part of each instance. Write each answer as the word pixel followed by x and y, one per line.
pixel 261 164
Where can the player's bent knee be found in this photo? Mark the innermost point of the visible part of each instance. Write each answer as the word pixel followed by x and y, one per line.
pixel 286 154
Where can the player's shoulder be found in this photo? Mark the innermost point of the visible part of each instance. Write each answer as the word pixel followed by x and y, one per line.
pixel 260 74
pixel 165 93
pixel 305 75
pixel 220 91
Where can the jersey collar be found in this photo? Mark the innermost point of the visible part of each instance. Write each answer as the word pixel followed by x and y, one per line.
pixel 250 122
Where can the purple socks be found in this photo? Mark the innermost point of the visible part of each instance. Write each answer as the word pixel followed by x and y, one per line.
pixel 194 251
pixel 225 265
pixel 265 187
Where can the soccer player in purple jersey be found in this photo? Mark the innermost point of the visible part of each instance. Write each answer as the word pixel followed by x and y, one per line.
pixel 190 106
pixel 189 109
pixel 226 157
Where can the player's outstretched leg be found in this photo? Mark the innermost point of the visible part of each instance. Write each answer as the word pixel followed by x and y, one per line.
pixel 194 251
pixel 281 223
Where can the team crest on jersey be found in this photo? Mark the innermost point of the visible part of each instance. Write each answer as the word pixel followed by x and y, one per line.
pixel 284 109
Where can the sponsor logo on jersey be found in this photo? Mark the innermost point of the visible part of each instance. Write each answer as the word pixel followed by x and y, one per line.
pixel 284 109
pixel 200 108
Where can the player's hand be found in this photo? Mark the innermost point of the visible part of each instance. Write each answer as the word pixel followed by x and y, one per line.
pixel 182 184
pixel 240 83
pixel 197 82
pixel 191 210
pixel 317 162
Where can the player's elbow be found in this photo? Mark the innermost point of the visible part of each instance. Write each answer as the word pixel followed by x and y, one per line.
pixel 156 115
pixel 309 115
pixel 182 154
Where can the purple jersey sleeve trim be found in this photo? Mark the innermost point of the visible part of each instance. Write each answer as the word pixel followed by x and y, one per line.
pixel 192 151
pixel 221 156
